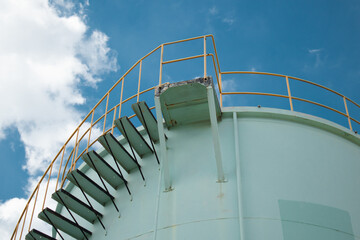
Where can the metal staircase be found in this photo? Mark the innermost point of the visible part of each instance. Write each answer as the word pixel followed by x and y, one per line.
pixel 99 190
pixel 180 103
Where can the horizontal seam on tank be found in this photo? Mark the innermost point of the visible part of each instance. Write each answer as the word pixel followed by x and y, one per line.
pixel 180 224
pixel 204 220
pixel 137 236
pixel 305 223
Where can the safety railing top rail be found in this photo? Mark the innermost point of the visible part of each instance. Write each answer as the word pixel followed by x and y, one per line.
pixel 81 139
pixel 291 98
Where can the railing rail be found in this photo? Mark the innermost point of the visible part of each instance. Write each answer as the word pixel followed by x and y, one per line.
pixel 83 139
pixel 290 97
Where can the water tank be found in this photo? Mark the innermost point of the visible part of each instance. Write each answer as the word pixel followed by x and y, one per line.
pixel 196 170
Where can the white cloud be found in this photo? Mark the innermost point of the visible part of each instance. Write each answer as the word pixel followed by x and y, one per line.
pixel 9 214
pixel 98 57
pixel 229 20
pixel 11 209
pixel 229 85
pixel 12 146
pixel 45 53
pixel 213 10
pixel 69 8
pixel 314 50
pixel 64 4
pixel 44 57
pixel 318 59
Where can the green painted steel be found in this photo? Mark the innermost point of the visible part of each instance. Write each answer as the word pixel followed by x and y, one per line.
pixel 186 102
pixel 147 119
pixel 314 221
pixel 37 235
pixel 105 170
pixel 215 133
pixel 299 179
pixel 76 205
pixel 64 224
pixel 135 139
pixel 300 176
pixel 116 150
pixel 89 186
pixel 164 163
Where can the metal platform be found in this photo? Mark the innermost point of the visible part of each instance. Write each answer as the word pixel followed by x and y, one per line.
pixel 186 102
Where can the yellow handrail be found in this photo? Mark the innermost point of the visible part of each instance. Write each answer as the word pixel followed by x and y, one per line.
pixel 345 99
pixel 77 138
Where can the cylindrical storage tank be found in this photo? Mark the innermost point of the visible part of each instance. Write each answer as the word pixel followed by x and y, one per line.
pixel 188 168
pixel 299 174
pixel 288 176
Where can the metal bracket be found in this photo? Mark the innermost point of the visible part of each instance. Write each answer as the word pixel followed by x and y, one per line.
pixel 215 134
pixel 238 176
pixel 164 164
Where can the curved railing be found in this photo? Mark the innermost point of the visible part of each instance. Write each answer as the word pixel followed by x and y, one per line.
pixel 97 123
pixel 291 98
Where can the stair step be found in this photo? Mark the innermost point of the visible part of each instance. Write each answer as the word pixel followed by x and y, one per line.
pixel 147 119
pixel 37 235
pixel 89 186
pixel 63 224
pixel 105 170
pixel 76 205
pixel 114 148
pixel 134 138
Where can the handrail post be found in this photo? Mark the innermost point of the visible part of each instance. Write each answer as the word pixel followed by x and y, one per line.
pixel 347 113
pixel 106 108
pixel 61 161
pixel 74 151
pixel 22 228
pixel 47 186
pixel 137 100
pixel 91 125
pixel 32 214
pixel 113 122
pixel 161 63
pixel 121 96
pixel 220 90
pixel 217 59
pixel 13 236
pixel 205 57
pixel 289 93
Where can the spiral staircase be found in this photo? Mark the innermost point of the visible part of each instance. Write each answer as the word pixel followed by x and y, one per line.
pixel 108 175
pixel 272 176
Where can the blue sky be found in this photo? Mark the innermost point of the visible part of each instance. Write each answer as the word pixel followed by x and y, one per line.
pixel 75 50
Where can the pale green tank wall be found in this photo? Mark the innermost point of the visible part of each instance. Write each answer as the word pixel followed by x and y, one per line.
pixel 299 179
